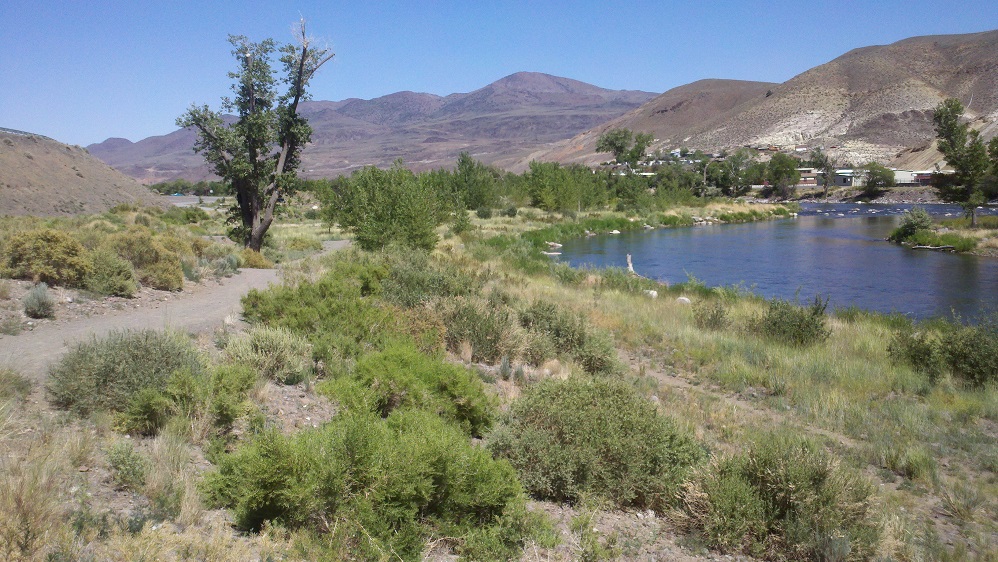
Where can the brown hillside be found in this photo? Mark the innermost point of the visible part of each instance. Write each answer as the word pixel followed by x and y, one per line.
pixel 871 103
pixel 666 117
pixel 39 176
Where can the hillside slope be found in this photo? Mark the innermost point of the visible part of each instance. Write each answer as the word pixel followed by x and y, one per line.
pixel 40 176
pixel 871 103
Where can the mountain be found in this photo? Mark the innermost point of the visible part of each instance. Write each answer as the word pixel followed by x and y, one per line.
pixel 500 121
pixel 40 176
pixel 873 103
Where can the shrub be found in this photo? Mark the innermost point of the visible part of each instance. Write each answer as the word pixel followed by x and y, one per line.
pixel 154 265
pixel 301 244
pixel 919 351
pixel 710 315
pixel 47 255
pixel 38 303
pixel 276 353
pixel 568 334
pixel 972 352
pixel 111 275
pixel 213 399
pixel 146 414
pixel 128 467
pixel 488 326
pixel 337 318
pixel 403 377
pixel 484 212
pixel 414 278
pixel 107 373
pixel 386 485
pixel 462 222
pixel 594 438
pixel 784 498
pixel 788 323
pixel 913 220
pixel 509 211
pixel 254 260
pixel 185 215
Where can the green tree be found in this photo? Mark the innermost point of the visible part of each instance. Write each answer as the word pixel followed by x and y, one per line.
pixel 626 146
pixel 382 207
pixel 782 175
pixel 966 153
pixel 878 178
pixel 825 166
pixel 259 154
pixel 475 183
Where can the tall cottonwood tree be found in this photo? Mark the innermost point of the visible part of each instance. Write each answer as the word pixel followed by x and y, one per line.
pixel 963 149
pixel 259 154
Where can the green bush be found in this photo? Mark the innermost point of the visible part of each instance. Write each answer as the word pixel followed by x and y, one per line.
pixel 185 215
pixel 107 373
pixel 510 211
pixel 484 212
pixel 488 326
pixel 276 353
pixel 47 255
pixel 972 352
pixel 462 222
pixel 576 439
pixel 919 351
pixel 38 303
pixel 337 315
pixel 414 278
pixel 784 498
pixel 146 414
pixel 301 244
pixel 568 334
pixel 111 275
pixel 786 322
pixel 403 377
pixel 154 265
pixel 374 486
pixel 254 260
pixel 913 220
pixel 710 315
pixel 128 467
pixel 217 397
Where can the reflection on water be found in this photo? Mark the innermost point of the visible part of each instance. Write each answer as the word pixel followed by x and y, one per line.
pixel 836 251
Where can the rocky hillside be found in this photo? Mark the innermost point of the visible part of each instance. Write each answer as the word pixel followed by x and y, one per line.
pixel 40 176
pixel 873 103
pixel 506 118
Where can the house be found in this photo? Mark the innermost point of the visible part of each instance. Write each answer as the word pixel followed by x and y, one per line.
pixel 849 178
pixel 904 178
pixel 808 177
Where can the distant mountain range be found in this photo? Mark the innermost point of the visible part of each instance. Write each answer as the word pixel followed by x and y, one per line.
pixel 504 119
pixel 873 103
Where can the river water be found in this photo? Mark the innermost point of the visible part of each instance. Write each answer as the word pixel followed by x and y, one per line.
pixel 833 250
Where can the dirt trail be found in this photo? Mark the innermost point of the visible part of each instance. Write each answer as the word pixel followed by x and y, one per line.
pixel 31 353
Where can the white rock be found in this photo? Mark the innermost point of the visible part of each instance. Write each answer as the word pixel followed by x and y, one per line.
pixel 684 300
pixel 652 293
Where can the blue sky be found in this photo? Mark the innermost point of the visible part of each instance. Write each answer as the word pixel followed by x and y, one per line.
pixel 81 72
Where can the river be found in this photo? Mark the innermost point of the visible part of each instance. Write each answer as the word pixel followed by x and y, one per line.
pixel 833 250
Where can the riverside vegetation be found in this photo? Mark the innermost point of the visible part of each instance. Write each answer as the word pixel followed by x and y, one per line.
pixel 479 386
